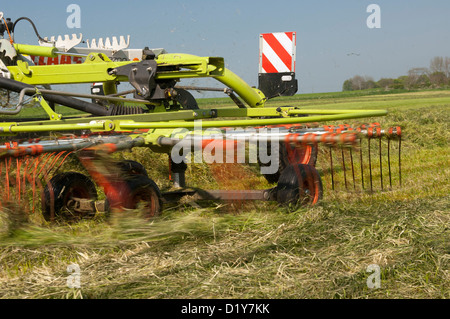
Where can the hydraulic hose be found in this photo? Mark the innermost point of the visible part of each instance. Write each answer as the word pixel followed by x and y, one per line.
pixel 92 108
pixel 32 24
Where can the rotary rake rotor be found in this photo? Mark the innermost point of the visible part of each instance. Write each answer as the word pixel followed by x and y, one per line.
pixel 285 143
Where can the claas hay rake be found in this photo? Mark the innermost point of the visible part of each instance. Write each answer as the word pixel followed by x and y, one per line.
pixel 158 113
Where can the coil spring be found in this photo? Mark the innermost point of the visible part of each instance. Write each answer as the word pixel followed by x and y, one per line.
pixel 124 110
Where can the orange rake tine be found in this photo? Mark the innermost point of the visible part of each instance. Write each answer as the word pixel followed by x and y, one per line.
pixel 7 177
pixel 53 163
pixel 343 166
pixel 18 164
pixel 353 169
pixel 361 162
pixel 24 174
pixel 389 162
pixel 63 160
pixel 49 155
pixel 332 170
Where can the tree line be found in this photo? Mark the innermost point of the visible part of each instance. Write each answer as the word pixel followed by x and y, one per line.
pixel 436 76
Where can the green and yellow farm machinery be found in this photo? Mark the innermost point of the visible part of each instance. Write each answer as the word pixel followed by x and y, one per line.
pixel 157 113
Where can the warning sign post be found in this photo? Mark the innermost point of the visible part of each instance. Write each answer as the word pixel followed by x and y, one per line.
pixel 277 54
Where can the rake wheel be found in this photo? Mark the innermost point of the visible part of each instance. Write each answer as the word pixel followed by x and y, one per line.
pixel 299 184
pixel 289 155
pixel 61 189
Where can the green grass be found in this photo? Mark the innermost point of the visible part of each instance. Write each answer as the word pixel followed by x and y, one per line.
pixel 261 250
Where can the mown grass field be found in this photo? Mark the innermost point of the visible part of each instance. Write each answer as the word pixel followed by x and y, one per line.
pixel 261 250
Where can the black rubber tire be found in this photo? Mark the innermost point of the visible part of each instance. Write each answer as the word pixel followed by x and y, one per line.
pixel 142 189
pixel 307 156
pixel 299 184
pixel 63 187
pixel 132 168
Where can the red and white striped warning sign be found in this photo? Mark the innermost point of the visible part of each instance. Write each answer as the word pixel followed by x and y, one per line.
pixel 277 52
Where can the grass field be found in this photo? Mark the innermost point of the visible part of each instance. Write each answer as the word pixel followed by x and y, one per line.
pixel 261 250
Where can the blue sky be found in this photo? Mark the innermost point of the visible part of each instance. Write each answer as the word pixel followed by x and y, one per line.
pixel 412 32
